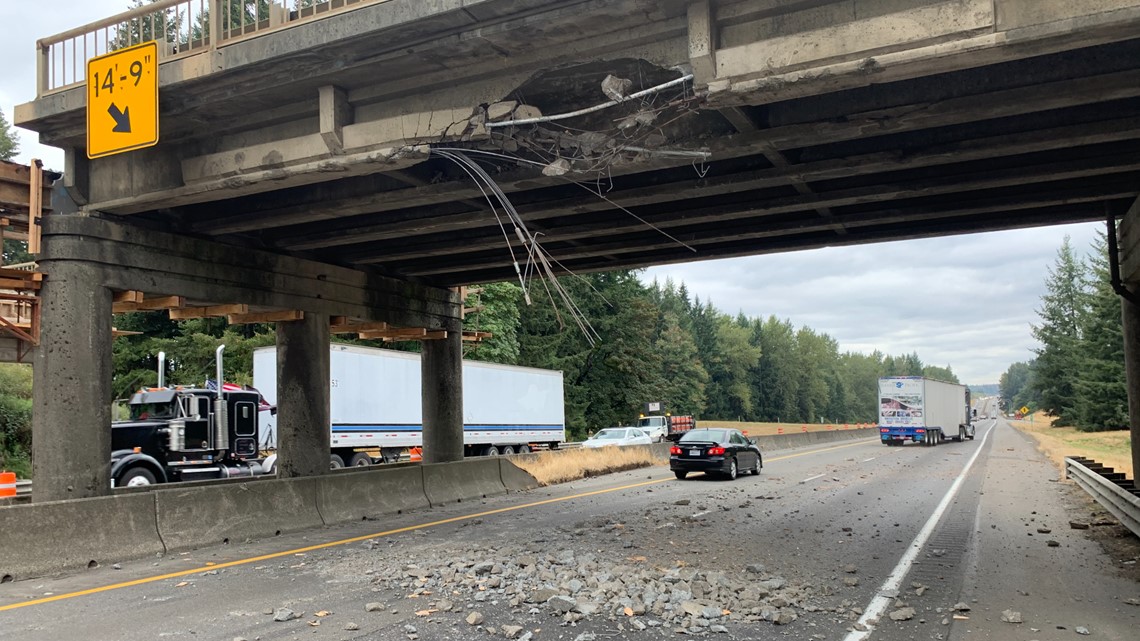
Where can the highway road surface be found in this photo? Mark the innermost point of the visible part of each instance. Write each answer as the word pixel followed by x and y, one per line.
pixel 845 542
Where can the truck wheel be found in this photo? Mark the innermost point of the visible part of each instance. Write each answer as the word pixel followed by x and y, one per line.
pixel 961 435
pixel 524 449
pixel 490 450
pixel 136 477
pixel 335 462
pixel 360 459
pixel 508 450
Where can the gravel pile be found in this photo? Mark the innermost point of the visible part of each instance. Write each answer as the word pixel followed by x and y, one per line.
pixel 534 585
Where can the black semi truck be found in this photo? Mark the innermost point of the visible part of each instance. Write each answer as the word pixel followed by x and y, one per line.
pixel 187 434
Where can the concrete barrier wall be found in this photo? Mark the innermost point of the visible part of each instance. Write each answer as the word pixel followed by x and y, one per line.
pixel 370 493
pixel 463 480
pixel 514 478
pixel 46 538
pixel 195 516
pixel 805 439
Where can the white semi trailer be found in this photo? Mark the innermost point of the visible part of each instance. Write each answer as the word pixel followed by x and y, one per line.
pixel 913 408
pixel 377 412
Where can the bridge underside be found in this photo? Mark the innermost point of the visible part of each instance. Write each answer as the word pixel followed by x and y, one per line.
pixel 977 120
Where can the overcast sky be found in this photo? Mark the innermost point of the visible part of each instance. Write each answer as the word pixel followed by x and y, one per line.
pixel 970 299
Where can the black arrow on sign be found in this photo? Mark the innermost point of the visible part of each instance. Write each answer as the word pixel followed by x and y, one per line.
pixel 122 119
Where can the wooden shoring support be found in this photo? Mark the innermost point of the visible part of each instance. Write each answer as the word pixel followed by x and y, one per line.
pixel 18 284
pixel 394 334
pixel 210 311
pixel 116 332
pixel 135 301
pixel 342 325
pixel 128 296
pixel 428 336
pixel 35 206
pixel 473 336
pixel 266 317
pixel 4 222
pixel 21 274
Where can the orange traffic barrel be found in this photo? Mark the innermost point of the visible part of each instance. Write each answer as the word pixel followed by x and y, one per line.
pixel 779 430
pixel 7 484
pixel 416 454
pixel 803 428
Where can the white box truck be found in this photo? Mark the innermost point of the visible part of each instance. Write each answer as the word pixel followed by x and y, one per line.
pixel 913 408
pixel 377 415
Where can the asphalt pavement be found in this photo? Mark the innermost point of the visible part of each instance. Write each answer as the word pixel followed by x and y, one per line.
pixel 849 541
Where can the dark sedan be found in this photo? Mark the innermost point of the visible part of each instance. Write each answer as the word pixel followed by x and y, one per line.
pixel 715 451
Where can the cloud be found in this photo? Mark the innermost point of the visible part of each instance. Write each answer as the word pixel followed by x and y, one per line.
pixel 965 301
pixel 27 23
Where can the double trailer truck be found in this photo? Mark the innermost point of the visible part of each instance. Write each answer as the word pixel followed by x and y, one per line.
pixel 913 408
pixel 377 414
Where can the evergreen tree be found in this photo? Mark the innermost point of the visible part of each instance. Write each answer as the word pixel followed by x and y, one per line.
pixel 9 143
pixel 683 375
pixel 1016 390
pixel 497 311
pixel 1058 358
pixel 814 351
pixel 1101 392
pixel 945 374
pixel 776 379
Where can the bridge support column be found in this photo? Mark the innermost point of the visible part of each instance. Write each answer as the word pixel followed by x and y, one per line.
pixel 303 414
pixel 442 396
pixel 1130 315
pixel 71 398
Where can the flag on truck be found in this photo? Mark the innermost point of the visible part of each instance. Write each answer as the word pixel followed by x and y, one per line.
pixel 262 404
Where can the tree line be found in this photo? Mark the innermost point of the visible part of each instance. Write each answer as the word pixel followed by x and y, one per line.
pixel 653 342
pixel 1077 376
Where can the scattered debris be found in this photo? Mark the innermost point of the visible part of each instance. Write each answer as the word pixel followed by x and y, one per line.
pixel 284 614
pixel 903 614
pixel 1011 616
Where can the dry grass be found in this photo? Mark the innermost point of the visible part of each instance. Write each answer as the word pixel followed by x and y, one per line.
pixel 1109 448
pixel 560 466
pixel 769 429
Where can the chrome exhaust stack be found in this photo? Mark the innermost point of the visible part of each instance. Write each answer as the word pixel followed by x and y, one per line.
pixel 221 422
pixel 161 369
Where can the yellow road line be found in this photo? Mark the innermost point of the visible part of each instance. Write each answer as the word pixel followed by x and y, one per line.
pixel 357 539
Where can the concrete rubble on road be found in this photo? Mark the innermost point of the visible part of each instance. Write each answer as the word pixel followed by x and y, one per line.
pixel 533 584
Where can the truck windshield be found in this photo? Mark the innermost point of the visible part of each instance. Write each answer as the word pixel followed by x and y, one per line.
pixel 650 421
pixel 144 411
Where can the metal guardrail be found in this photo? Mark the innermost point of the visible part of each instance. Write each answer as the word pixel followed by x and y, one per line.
pixel 182 28
pixel 1111 489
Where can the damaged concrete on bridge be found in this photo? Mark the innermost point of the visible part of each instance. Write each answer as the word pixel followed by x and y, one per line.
pixel 361 163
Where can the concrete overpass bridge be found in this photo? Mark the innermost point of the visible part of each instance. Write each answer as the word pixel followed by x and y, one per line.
pixel 357 159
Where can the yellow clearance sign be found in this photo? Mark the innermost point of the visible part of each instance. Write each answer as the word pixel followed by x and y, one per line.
pixel 122 100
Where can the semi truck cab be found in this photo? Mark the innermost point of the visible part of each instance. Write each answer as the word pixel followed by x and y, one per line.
pixel 186 434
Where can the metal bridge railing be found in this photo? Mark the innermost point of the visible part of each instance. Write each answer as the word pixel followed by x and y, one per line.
pixel 182 28
pixel 1111 489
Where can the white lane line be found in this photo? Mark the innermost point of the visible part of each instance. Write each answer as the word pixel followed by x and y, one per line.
pixel 811 478
pixel 868 460
pixel 881 601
